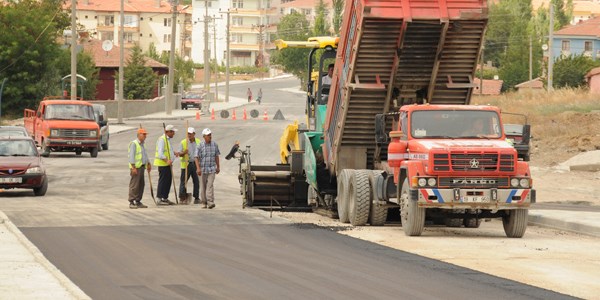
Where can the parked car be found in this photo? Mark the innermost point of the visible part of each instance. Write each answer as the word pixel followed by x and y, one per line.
pixel 102 120
pixel 13 131
pixel 21 165
pixel 192 100
pixel 519 135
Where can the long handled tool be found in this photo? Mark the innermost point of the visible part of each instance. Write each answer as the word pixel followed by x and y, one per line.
pixel 151 189
pixel 170 166
pixel 185 196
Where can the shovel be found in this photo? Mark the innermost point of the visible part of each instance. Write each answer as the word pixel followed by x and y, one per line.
pixel 151 189
pixel 184 196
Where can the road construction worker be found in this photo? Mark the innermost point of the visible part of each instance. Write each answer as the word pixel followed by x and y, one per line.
pixel 163 159
pixel 249 94
pixel 138 162
pixel 187 155
pixel 207 166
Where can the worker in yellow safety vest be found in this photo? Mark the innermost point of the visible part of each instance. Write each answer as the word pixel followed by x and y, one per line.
pixel 187 154
pixel 138 161
pixel 163 159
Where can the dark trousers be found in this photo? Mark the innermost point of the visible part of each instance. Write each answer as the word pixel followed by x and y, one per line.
pixel 136 185
pixel 191 170
pixel 165 176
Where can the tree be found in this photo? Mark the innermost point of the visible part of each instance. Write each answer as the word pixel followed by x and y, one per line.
pixel 293 27
pixel 563 13
pixel 139 79
pixel 29 53
pixel 569 71
pixel 338 10
pixel 321 28
pixel 86 67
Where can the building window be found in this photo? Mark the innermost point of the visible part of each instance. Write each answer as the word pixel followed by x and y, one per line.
pixel 128 37
pixel 236 38
pixel 588 46
pixel 166 38
pixel 167 22
pixel 105 35
pixel 130 21
pixel 306 11
pixel 281 10
pixel 237 21
pixel 237 3
pixel 109 20
pixel 566 45
pixel 268 3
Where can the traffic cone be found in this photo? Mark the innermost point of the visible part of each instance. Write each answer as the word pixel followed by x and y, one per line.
pixel 245 117
pixel 234 118
pixel 265 117
pixel 212 114
pixel 197 115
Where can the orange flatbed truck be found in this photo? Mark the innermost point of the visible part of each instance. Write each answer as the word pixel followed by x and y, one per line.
pixel 60 125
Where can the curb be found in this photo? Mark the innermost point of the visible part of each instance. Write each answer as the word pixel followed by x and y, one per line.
pixel 64 281
pixel 561 224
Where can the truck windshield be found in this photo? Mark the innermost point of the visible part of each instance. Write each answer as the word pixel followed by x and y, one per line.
pixel 455 124
pixel 68 112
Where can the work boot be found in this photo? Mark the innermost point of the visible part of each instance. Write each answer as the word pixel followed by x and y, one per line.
pixel 141 205
pixel 196 200
pixel 163 201
pixel 132 205
pixel 211 206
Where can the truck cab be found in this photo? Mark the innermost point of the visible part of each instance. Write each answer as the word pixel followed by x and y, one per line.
pixel 63 126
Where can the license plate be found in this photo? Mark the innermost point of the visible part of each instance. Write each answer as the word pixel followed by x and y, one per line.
pixel 475 199
pixel 11 180
pixel 73 142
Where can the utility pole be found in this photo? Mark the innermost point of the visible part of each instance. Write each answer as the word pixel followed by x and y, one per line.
pixel 206 49
pixel 530 58
pixel 260 57
pixel 228 56
pixel 121 59
pixel 216 61
pixel 73 49
pixel 171 80
pixel 550 54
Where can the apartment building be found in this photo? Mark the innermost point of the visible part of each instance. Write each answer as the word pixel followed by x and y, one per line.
pixel 146 22
pixel 250 30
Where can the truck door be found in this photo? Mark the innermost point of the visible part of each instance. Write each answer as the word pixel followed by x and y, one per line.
pixel 37 124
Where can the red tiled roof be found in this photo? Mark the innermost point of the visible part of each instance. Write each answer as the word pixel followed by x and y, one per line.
pixel 111 58
pixel 129 6
pixel 589 27
pixel 305 4
pixel 593 72
pixel 490 87
pixel 531 84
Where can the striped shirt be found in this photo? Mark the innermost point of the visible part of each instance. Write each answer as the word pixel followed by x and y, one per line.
pixel 207 154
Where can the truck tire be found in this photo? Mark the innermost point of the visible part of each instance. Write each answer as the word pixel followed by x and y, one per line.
pixel 45 149
pixel 41 191
pixel 360 198
pixel 94 152
pixel 472 222
pixel 455 222
pixel 341 199
pixel 515 223
pixel 413 216
pixel 377 213
pixel 105 146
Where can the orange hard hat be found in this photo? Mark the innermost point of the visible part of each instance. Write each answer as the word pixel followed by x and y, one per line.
pixel 142 130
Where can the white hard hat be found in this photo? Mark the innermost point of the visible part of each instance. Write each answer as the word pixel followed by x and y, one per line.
pixel 191 130
pixel 170 128
pixel 206 131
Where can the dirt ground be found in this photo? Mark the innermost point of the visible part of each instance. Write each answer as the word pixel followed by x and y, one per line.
pixel 560 261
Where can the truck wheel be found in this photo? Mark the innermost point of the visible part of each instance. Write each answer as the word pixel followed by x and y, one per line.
pixel 377 213
pixel 413 216
pixel 359 197
pixel 94 152
pixel 99 145
pixel 455 222
pixel 472 222
pixel 341 199
pixel 105 146
pixel 515 223
pixel 45 150
pixel 41 191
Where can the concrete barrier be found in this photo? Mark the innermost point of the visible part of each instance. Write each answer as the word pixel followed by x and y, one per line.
pixel 136 108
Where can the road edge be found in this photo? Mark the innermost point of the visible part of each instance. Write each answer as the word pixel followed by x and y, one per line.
pixel 64 281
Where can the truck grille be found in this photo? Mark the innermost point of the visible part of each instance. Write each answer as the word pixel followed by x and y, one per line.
pixel 473 162
pixel 73 133
pixel 473 182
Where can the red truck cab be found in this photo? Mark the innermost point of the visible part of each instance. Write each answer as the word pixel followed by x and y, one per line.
pixel 61 125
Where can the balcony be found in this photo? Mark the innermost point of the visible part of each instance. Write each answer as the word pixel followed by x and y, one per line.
pixel 242 46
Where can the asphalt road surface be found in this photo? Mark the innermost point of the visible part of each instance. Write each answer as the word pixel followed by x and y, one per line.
pixel 85 228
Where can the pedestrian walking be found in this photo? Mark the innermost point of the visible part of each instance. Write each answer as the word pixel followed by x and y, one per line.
pixel 138 163
pixel 249 94
pixel 163 159
pixel 207 165
pixel 259 96
pixel 187 155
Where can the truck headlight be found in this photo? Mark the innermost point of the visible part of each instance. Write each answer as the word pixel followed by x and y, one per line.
pixel 53 132
pixel 514 182
pixel 431 181
pixel 93 133
pixel 34 170
pixel 524 182
pixel 422 181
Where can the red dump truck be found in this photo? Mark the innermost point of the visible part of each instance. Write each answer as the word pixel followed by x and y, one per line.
pixel 60 125
pixel 399 132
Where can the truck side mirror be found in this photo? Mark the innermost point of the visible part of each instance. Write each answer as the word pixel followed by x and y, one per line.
pixel 526 133
pixel 380 135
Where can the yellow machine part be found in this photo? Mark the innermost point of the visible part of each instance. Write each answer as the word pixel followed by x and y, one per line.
pixel 290 140
pixel 320 42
